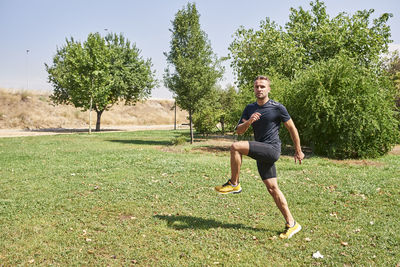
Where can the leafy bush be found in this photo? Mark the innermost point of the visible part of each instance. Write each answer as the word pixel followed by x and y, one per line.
pixel 179 140
pixel 217 111
pixel 343 111
pixel 206 119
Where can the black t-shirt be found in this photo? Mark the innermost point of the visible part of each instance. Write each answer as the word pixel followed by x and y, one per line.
pixel 266 129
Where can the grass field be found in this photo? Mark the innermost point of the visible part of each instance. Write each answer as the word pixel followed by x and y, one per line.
pixel 133 198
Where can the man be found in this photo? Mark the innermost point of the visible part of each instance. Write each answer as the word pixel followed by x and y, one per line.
pixel 265 116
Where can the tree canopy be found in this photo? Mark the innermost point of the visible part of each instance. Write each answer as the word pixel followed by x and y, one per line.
pixel 309 36
pixel 100 72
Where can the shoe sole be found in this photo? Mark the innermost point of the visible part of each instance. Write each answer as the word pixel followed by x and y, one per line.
pixel 295 232
pixel 231 192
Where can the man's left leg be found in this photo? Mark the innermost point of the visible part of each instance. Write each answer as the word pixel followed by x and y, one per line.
pixel 292 226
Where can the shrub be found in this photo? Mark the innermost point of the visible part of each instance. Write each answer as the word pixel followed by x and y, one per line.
pixel 180 140
pixel 217 111
pixel 343 111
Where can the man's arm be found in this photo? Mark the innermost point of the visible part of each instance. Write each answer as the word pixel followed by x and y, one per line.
pixel 294 134
pixel 242 128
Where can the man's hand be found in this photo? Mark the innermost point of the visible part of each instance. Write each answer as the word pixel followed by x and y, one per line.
pixel 298 156
pixel 254 117
pixel 241 128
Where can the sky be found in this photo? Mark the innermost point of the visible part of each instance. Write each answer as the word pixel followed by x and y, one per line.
pixel 32 30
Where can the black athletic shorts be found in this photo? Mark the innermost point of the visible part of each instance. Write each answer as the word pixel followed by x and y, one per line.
pixel 265 155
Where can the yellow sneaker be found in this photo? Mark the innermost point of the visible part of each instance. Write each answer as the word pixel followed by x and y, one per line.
pixel 290 231
pixel 227 188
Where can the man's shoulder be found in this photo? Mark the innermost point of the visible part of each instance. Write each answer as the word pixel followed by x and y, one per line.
pixel 274 103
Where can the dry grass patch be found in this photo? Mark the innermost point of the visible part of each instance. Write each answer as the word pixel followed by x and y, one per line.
pixel 359 162
pixel 34 110
pixel 395 150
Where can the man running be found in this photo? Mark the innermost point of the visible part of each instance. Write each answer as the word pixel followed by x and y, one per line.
pixel 265 115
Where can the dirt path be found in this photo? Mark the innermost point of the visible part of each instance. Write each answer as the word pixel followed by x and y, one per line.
pixel 53 131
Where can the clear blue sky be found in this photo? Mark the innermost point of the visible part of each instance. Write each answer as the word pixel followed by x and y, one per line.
pixel 41 26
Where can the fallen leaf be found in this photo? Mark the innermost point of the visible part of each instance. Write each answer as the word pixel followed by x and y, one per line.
pixel 317 255
pixel 345 244
pixel 334 214
pixel 307 239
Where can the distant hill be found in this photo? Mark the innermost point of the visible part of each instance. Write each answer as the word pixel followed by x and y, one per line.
pixel 34 110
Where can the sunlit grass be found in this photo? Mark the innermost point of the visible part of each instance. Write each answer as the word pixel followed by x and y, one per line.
pixel 123 198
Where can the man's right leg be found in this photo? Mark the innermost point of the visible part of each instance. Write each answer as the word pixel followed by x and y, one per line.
pixel 232 186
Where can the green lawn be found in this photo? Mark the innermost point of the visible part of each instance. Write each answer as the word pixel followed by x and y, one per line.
pixel 132 198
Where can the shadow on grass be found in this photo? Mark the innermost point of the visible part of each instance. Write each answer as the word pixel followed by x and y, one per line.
pixel 182 222
pixel 213 149
pixel 143 142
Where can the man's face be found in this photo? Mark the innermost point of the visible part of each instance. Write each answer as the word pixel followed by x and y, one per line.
pixel 261 88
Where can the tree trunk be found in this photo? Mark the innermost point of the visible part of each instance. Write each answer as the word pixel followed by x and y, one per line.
pixel 222 121
pixel 98 120
pixel 191 127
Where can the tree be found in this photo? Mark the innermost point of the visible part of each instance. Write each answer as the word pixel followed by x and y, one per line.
pixel 328 72
pixel 100 72
pixel 310 36
pixel 193 67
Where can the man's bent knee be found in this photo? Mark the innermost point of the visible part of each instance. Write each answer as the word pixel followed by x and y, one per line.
pixel 242 147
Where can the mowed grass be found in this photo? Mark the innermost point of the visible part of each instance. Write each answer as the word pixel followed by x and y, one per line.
pixel 133 198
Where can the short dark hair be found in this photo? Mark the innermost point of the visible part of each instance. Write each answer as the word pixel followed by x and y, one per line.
pixel 262 77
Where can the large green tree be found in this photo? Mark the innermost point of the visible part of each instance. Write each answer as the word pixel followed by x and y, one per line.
pixel 309 36
pixel 99 72
pixel 328 72
pixel 193 68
